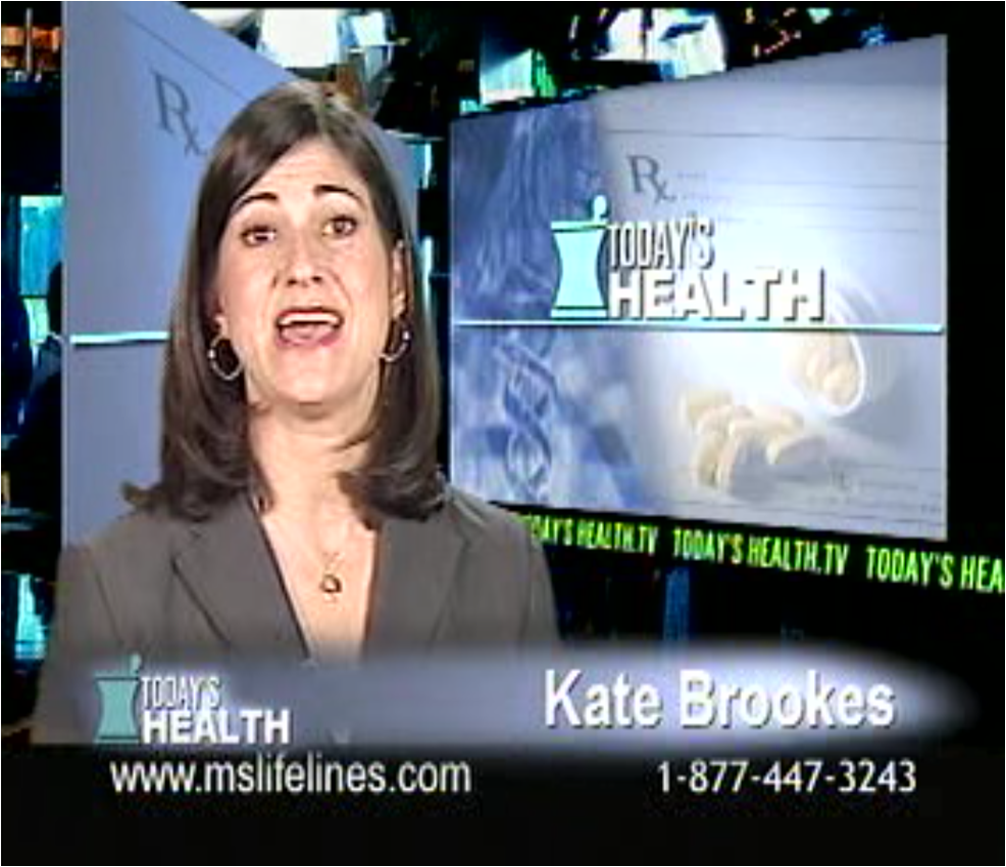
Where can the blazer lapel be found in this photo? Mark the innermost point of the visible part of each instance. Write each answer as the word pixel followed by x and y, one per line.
pixel 417 564
pixel 229 568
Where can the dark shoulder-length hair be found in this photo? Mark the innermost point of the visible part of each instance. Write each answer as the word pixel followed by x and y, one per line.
pixel 205 453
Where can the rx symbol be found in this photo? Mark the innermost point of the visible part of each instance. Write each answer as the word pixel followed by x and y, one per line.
pixel 175 114
pixel 646 173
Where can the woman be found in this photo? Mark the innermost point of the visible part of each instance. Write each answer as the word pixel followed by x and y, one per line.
pixel 300 512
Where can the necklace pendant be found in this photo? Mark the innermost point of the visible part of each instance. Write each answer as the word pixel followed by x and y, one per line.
pixel 331 586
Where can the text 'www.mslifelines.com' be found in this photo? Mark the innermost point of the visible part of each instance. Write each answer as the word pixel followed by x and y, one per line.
pixel 267 774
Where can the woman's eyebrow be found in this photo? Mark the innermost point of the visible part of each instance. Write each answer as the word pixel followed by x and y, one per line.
pixel 272 198
pixel 337 189
pixel 251 198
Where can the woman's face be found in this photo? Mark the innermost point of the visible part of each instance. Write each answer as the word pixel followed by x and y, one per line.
pixel 306 286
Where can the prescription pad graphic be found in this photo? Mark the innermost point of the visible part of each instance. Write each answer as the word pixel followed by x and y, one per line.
pixel 833 165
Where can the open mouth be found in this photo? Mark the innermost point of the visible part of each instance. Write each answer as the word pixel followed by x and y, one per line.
pixel 308 326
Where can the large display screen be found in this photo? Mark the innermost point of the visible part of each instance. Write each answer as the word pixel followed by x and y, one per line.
pixel 722 299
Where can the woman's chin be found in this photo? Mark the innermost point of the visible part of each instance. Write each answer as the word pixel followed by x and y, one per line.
pixel 300 404
pixel 311 398
pixel 316 406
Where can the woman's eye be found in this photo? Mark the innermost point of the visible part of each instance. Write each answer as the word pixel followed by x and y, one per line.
pixel 340 227
pixel 256 236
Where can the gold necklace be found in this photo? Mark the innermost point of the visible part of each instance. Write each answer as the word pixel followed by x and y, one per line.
pixel 331 584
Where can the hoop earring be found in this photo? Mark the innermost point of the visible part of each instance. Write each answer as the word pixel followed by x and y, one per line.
pixel 404 342
pixel 213 357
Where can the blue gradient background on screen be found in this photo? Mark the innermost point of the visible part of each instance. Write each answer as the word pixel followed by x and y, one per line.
pixel 534 412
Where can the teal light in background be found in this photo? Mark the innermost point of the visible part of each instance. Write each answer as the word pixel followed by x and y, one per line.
pixel 819 13
pixel 38 321
pixel 426 272
pixel 875 35
pixel 30 637
pixel 507 78
pixel 544 84
pixel 422 160
pixel 41 242
pixel 41 250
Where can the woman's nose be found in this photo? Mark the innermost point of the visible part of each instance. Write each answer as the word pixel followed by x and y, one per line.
pixel 303 265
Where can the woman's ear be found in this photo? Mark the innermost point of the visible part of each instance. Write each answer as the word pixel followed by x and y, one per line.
pixel 221 322
pixel 399 281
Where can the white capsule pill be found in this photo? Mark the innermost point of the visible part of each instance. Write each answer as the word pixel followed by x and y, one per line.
pixel 720 419
pixel 696 403
pixel 706 456
pixel 759 429
pixel 737 455
pixel 777 416
pixel 794 450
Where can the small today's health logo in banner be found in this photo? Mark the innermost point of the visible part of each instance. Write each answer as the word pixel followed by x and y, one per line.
pixel 180 709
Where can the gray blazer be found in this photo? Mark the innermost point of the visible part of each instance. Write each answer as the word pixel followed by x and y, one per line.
pixel 471 574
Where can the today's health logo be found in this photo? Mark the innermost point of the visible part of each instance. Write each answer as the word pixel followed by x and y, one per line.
pixel 180 709
pixel 665 270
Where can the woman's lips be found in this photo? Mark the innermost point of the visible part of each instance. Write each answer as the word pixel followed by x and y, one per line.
pixel 306 328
